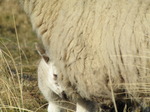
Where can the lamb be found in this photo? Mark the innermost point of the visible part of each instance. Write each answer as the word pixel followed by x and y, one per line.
pixel 47 81
pixel 47 85
pixel 47 73
pixel 100 47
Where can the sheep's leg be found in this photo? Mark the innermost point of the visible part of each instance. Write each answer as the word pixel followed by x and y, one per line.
pixel 85 106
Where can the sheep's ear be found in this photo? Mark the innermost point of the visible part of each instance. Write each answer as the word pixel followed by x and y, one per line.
pixel 41 52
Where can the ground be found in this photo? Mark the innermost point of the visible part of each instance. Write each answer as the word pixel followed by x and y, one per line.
pixel 18 62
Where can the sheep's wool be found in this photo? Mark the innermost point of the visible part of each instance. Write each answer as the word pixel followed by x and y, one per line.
pixel 101 48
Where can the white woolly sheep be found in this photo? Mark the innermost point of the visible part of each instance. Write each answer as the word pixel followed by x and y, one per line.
pixel 100 47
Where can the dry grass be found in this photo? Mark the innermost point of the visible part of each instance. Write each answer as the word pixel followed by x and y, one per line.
pixel 18 78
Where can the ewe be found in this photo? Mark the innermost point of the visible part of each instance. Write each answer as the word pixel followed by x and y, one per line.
pixel 100 47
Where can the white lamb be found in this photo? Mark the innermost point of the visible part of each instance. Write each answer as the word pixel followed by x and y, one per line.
pixel 47 81
pixel 48 84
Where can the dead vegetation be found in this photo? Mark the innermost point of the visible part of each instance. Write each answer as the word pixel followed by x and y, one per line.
pixel 18 62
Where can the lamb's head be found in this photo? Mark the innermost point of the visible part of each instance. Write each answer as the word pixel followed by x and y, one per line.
pixel 48 73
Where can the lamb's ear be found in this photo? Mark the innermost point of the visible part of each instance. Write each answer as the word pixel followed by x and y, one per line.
pixel 46 58
pixel 41 52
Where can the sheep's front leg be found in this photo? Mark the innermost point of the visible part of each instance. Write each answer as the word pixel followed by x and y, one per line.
pixel 85 106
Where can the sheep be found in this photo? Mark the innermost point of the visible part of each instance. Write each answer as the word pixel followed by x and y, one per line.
pixel 100 47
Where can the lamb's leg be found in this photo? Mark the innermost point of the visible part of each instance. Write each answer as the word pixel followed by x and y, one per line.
pixel 52 107
pixel 85 106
